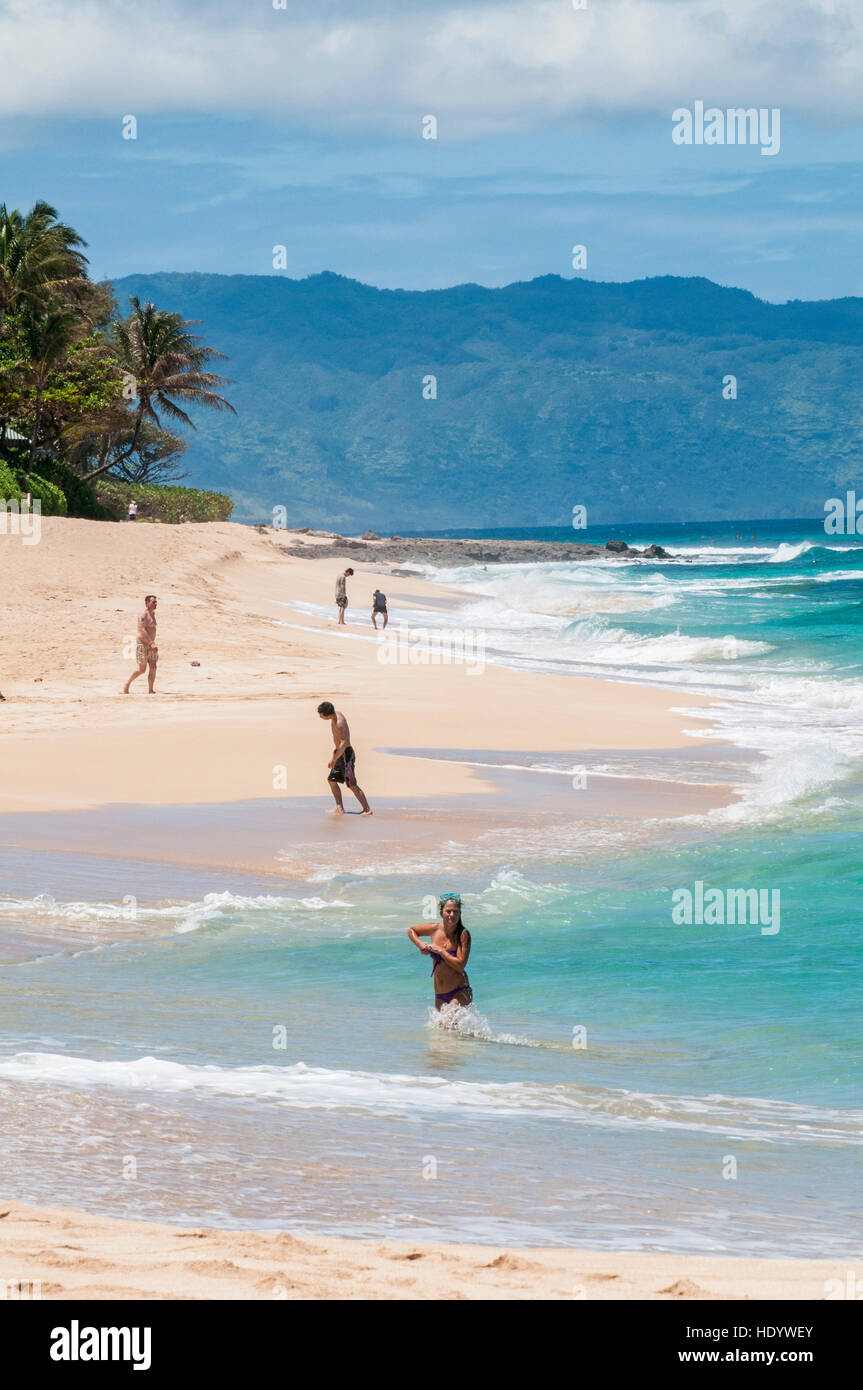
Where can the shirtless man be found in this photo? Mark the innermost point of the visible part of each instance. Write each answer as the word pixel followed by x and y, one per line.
pixel 343 763
pixel 342 595
pixel 146 651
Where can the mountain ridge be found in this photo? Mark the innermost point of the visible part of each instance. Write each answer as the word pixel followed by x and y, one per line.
pixel 551 393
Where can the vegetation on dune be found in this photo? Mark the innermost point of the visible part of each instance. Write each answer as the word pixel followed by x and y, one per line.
pixel 84 389
pixel 9 489
pixel 164 503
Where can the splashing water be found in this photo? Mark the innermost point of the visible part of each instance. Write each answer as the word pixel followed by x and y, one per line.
pixel 468 1022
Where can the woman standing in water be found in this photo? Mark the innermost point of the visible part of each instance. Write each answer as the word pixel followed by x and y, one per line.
pixel 449 949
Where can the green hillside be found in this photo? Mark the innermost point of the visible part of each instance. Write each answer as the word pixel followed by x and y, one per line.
pixel 549 393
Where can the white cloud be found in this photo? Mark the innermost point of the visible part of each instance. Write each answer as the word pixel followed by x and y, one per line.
pixel 473 64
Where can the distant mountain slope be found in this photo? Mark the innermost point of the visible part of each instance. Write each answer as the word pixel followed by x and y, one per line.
pixel 549 393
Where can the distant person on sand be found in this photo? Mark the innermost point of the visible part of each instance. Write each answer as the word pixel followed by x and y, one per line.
pixel 449 949
pixel 132 513
pixel 342 595
pixel 146 651
pixel 343 764
pixel 379 605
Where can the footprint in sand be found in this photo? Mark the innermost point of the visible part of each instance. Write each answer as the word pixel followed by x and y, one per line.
pixel 215 1267
pixel 513 1264
pixel 684 1288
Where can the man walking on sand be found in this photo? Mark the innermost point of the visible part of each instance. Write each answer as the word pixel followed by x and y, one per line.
pixel 343 763
pixel 146 651
pixel 342 595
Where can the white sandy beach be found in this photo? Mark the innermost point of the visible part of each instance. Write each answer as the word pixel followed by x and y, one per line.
pixel 215 731
pixel 69 1254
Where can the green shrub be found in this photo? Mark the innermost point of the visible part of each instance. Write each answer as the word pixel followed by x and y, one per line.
pixel 80 498
pixel 163 503
pixel 52 497
pixel 9 489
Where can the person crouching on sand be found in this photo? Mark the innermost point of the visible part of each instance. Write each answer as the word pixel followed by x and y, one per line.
pixel 343 764
pixel 146 651
pixel 449 949
pixel 342 595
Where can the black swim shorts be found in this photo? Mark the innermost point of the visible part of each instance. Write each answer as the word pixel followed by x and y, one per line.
pixel 345 768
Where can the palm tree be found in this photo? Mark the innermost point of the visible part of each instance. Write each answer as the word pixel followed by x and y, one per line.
pixel 47 334
pixel 38 256
pixel 168 365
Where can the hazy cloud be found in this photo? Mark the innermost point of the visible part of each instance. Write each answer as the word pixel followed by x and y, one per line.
pixel 476 64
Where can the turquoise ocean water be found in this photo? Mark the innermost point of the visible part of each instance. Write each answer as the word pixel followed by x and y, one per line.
pixel 261 1053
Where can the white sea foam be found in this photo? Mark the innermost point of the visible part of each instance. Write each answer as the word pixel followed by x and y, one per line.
pixel 805 722
pixel 837 576
pixel 785 552
pixel 185 917
pixel 300 1087
pixel 722 552
pixel 559 617
pixel 468 1022
pixel 509 884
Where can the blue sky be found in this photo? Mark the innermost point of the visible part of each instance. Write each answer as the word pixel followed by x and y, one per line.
pixel 259 127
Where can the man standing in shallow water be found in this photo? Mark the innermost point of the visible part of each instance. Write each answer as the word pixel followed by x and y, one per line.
pixel 343 763
pixel 146 651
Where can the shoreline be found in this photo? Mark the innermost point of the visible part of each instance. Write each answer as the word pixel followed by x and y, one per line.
pixel 502 810
pixel 237 690
pixel 72 1254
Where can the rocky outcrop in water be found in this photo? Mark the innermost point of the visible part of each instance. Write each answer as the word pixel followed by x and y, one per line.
pixel 443 551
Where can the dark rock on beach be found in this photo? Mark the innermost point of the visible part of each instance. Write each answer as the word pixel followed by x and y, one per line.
pixel 442 551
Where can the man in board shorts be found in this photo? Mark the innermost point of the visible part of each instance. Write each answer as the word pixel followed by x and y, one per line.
pixel 342 595
pixel 146 651
pixel 343 764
